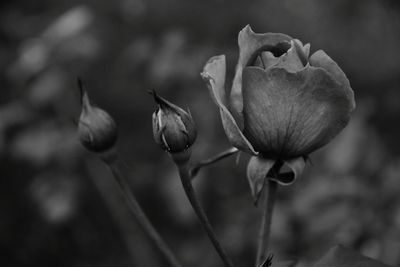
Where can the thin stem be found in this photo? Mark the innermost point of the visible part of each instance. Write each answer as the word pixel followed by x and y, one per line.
pixel 263 236
pixel 196 168
pixel 187 185
pixel 139 214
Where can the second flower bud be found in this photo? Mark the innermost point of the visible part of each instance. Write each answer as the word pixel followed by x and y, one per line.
pixel 173 128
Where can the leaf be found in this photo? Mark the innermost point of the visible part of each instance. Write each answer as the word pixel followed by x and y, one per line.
pixel 340 256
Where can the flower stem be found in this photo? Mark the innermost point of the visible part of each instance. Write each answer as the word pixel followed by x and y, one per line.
pixel 135 208
pixel 187 186
pixel 265 227
pixel 196 168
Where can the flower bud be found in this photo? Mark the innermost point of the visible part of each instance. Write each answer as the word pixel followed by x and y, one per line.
pixel 97 130
pixel 173 128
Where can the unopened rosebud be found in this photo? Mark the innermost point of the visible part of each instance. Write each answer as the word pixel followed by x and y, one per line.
pixel 97 130
pixel 173 128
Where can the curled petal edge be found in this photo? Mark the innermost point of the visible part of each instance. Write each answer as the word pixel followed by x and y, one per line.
pixel 302 50
pixel 296 166
pixel 259 169
pixel 214 75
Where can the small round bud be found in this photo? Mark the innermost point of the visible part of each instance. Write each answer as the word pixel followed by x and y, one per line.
pixel 97 130
pixel 173 128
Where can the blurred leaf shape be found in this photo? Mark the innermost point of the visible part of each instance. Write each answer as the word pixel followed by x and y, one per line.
pixel 340 256
pixel 55 195
pixel 47 88
pixel 176 58
pixel 44 143
pixel 72 22
pixel 35 53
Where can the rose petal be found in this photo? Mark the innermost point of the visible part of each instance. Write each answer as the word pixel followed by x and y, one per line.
pixel 214 74
pixel 257 171
pixel 291 60
pixel 266 60
pixel 289 115
pixel 269 59
pixel 302 51
pixel 321 59
pixel 215 70
pixel 306 50
pixel 250 44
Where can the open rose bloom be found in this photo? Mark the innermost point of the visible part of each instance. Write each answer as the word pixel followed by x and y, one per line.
pixel 283 105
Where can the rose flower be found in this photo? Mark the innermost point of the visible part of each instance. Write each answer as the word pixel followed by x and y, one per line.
pixel 284 104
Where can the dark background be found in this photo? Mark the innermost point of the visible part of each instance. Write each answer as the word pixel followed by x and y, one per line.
pixel 58 205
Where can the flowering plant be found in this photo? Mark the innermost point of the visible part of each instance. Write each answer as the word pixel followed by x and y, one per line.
pixel 284 104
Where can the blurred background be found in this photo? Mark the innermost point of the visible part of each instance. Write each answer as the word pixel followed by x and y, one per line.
pixel 58 204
